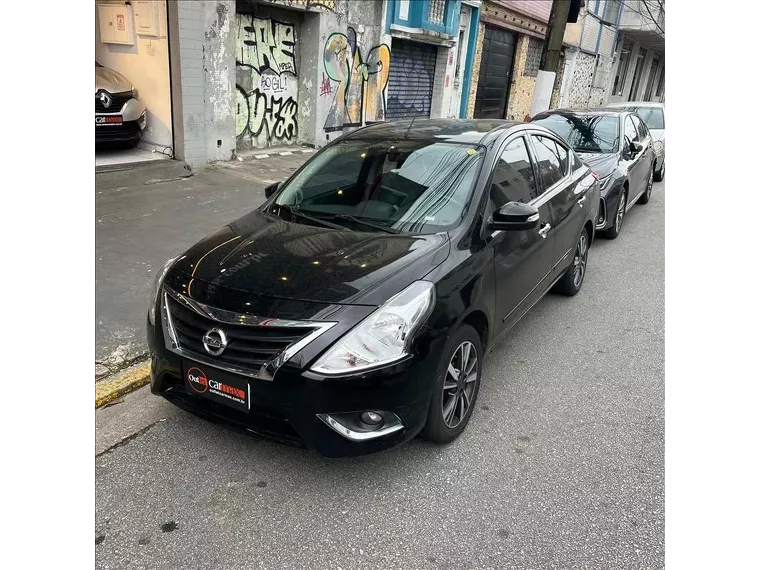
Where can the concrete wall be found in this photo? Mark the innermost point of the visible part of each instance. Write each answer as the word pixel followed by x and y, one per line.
pixel 146 65
pixel 522 86
pixel 475 71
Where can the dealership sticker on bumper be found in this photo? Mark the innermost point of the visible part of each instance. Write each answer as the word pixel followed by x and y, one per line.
pixel 112 120
pixel 222 388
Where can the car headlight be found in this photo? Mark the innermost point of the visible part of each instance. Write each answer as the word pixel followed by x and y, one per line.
pixel 383 337
pixel 134 93
pixel 658 146
pixel 604 181
pixel 157 283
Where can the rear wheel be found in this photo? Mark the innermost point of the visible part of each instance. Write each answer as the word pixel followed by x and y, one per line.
pixel 456 387
pixel 572 280
pixel 617 223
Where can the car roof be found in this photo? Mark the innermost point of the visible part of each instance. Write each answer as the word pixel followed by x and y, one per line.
pixel 579 112
pixel 637 104
pixel 468 131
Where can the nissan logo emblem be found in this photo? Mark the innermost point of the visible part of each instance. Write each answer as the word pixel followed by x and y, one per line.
pixel 215 341
pixel 105 98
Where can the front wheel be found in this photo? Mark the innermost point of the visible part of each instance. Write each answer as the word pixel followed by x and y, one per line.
pixel 617 223
pixel 659 176
pixel 456 387
pixel 648 192
pixel 572 280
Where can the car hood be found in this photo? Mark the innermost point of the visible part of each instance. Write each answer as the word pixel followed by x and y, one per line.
pixel 110 80
pixel 264 255
pixel 602 164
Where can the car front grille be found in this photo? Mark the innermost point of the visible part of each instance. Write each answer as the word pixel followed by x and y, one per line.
pixel 118 100
pixel 250 347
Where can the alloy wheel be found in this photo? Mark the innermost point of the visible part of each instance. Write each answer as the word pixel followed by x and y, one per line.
pixel 580 260
pixel 620 212
pixel 459 384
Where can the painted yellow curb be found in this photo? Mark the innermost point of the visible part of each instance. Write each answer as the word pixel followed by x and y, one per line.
pixel 123 383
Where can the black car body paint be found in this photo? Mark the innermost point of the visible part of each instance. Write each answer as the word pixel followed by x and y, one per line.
pixel 265 266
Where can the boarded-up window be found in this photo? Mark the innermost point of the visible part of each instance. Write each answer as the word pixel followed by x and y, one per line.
pixel 532 62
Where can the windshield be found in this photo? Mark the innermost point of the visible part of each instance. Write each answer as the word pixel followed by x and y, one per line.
pixel 585 133
pixel 653 117
pixel 389 185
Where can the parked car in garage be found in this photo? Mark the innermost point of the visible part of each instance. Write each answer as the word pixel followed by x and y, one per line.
pixel 617 145
pixel 353 309
pixel 653 115
pixel 119 115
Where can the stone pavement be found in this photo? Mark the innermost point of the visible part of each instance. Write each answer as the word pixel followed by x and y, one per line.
pixel 150 212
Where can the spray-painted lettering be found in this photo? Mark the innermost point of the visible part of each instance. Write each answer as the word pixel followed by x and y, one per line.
pixel 266 44
pixel 275 117
pixel 360 95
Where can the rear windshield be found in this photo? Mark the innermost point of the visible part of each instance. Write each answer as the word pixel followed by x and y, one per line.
pixel 585 133
pixel 395 185
pixel 653 117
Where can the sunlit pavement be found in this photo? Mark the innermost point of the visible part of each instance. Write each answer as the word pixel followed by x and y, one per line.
pixel 562 465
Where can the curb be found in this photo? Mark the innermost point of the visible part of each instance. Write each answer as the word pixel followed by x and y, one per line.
pixel 122 383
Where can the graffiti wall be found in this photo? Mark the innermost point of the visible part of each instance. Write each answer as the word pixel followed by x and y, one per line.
pixel 355 81
pixel 267 82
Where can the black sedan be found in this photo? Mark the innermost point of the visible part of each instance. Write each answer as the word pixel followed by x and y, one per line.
pixel 353 309
pixel 618 146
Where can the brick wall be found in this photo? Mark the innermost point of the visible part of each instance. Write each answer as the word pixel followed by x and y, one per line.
pixel 522 86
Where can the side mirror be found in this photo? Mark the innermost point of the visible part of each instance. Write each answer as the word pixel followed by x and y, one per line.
pixel 271 189
pixel 636 147
pixel 514 216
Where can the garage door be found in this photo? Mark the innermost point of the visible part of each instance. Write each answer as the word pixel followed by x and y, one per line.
pixel 495 74
pixel 410 82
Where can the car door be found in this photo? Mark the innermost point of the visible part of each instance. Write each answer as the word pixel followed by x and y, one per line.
pixel 635 161
pixel 523 259
pixel 647 141
pixel 566 188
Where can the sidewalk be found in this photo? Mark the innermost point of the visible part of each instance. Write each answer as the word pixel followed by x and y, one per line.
pixel 148 213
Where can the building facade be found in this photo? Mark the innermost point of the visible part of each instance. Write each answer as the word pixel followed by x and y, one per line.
pixel 589 46
pixel 241 76
pixel 507 55
pixel 639 70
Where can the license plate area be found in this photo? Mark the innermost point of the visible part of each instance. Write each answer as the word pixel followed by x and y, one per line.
pixel 216 385
pixel 108 121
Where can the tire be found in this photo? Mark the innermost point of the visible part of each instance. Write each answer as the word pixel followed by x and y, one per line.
pixel 648 192
pixel 572 281
pixel 437 429
pixel 659 176
pixel 617 224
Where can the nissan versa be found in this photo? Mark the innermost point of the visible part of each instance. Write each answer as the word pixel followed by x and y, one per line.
pixel 353 309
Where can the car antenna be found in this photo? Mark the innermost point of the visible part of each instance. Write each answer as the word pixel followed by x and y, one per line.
pixel 406 134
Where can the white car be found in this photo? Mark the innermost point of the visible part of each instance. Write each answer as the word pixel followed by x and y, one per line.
pixel 119 116
pixel 653 115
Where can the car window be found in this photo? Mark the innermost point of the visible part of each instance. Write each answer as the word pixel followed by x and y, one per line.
pixel 513 179
pixel 641 128
pixel 584 133
pixel 563 158
pixel 420 186
pixel 629 130
pixel 653 117
pixel 548 160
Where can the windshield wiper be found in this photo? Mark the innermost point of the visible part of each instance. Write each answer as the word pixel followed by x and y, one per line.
pixel 298 213
pixel 363 223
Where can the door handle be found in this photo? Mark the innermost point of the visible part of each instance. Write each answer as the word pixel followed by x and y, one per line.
pixel 544 230
pixel 582 201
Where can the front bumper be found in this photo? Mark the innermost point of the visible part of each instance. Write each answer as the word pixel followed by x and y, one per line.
pixel 287 408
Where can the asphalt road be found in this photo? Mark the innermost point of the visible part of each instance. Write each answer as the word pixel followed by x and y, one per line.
pixel 561 466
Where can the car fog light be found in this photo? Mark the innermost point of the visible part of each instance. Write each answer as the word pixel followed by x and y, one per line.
pixel 372 419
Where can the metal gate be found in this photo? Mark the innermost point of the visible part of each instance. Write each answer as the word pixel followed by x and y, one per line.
pixel 495 74
pixel 410 84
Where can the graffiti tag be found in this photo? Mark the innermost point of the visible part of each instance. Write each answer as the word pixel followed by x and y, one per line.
pixel 265 44
pixel 326 87
pixel 257 111
pixel 360 95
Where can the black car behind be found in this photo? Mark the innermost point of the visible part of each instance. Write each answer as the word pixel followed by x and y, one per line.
pixel 353 309
pixel 618 146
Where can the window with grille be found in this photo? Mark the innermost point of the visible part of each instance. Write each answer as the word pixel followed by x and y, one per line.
pixel 533 61
pixel 437 11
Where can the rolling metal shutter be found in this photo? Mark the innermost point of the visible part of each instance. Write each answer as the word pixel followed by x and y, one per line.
pixel 410 83
pixel 495 74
